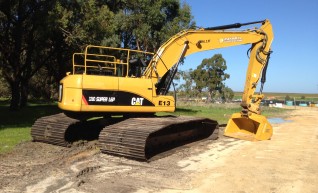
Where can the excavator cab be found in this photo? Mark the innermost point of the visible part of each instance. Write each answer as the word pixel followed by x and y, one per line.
pixel 252 128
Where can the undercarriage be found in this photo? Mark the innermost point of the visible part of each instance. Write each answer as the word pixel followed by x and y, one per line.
pixel 139 138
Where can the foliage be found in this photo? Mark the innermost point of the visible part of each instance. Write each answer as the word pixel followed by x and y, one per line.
pixel 227 94
pixel 187 88
pixel 43 87
pixel 25 46
pixel 145 25
pixel 4 91
pixel 288 98
pixel 84 22
pixel 208 77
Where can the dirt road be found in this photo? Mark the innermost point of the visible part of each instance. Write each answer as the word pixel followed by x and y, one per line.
pixel 286 163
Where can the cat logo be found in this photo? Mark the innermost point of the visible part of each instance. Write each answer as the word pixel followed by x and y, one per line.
pixel 137 101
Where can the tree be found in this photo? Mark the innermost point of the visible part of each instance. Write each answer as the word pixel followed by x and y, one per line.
pixel 85 22
pixel 288 98
pixel 74 25
pixel 227 94
pixel 187 88
pixel 145 25
pixel 24 45
pixel 210 76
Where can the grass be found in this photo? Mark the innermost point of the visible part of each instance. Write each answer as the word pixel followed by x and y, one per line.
pixel 10 137
pixel 219 112
pixel 15 126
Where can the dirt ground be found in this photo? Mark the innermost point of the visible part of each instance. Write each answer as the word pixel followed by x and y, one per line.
pixel 286 163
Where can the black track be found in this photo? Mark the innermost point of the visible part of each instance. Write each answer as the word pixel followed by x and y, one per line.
pixel 143 138
pixel 135 138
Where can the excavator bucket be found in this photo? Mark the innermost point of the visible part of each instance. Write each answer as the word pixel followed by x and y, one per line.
pixel 252 128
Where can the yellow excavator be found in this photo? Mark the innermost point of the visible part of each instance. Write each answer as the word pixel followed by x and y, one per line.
pixel 125 88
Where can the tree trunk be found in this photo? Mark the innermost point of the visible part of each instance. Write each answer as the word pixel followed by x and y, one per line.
pixel 24 94
pixel 15 95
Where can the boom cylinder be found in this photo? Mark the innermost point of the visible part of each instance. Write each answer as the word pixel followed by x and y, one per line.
pixel 235 25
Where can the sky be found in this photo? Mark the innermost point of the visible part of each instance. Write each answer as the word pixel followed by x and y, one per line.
pixel 293 66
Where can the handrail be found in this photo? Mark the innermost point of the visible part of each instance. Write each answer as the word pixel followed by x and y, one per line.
pixel 103 58
pixel 73 61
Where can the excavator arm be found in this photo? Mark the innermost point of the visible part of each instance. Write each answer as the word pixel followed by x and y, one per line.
pixel 248 124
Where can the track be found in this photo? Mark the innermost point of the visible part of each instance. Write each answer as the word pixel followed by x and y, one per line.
pixel 62 130
pixel 135 138
pixel 52 129
pixel 143 138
